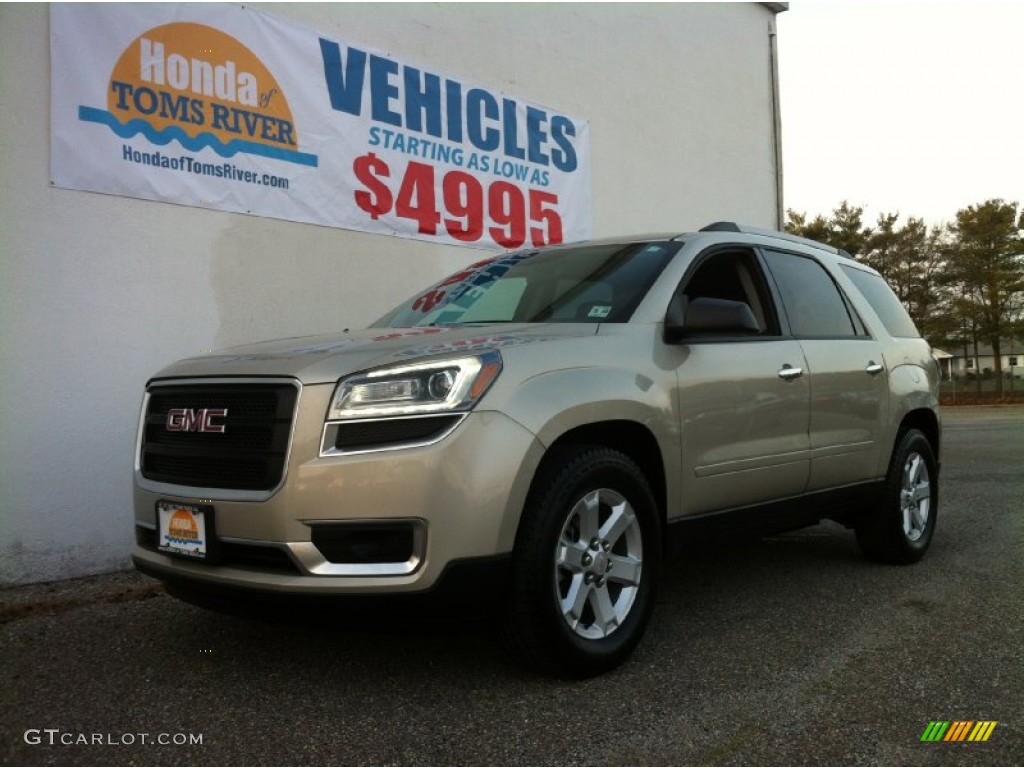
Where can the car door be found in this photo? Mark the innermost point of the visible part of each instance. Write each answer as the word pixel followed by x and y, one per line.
pixel 848 380
pixel 743 402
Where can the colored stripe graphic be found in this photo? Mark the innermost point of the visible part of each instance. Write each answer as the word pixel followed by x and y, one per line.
pixel 959 730
pixel 982 730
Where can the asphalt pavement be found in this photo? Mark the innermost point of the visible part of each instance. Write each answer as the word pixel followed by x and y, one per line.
pixel 789 650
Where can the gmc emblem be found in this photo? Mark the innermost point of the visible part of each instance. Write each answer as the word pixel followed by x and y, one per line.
pixel 189 420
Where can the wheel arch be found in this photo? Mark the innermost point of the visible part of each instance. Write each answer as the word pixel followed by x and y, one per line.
pixel 926 421
pixel 630 438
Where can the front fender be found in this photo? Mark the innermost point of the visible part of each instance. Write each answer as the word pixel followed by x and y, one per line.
pixel 552 404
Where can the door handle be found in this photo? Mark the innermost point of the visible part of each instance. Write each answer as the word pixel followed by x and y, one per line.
pixel 789 373
pixel 874 368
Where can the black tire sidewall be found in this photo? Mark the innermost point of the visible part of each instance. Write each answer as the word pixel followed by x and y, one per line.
pixel 569 477
pixel 881 535
pixel 915 442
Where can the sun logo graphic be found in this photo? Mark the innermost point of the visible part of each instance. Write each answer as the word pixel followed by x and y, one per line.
pixel 198 86
pixel 182 528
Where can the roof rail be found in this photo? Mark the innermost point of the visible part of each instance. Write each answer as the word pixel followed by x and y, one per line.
pixel 732 226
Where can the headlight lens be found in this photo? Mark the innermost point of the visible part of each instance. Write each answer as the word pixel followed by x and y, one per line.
pixel 434 386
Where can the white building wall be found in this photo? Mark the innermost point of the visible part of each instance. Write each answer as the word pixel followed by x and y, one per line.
pixel 97 292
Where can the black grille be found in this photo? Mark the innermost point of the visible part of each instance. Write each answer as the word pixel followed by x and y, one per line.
pixel 248 455
pixel 374 434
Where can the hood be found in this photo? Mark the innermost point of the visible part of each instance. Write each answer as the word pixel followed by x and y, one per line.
pixel 325 359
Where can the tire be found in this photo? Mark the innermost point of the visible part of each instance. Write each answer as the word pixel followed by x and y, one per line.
pixel 586 563
pixel 900 529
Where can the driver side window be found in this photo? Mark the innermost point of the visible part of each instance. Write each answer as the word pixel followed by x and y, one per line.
pixel 734 275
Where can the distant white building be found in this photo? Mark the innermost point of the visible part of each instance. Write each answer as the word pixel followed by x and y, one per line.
pixel 963 361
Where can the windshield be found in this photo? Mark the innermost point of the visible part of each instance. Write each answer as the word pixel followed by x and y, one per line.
pixel 581 284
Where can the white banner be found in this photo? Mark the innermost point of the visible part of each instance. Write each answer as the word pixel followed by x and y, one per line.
pixel 224 107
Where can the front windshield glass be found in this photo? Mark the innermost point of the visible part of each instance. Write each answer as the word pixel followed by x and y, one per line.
pixel 581 284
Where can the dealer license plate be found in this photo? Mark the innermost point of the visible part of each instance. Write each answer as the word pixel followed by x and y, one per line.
pixel 185 530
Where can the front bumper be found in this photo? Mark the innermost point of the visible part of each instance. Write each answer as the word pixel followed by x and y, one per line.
pixel 463 495
pixel 465 589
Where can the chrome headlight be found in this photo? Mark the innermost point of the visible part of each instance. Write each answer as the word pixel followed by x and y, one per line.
pixel 434 386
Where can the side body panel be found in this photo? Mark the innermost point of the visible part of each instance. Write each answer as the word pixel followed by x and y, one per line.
pixel 849 407
pixel 743 428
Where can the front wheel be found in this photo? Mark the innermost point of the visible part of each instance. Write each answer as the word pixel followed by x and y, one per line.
pixel 586 563
pixel 901 527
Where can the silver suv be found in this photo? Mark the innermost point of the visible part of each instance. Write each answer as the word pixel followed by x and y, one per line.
pixel 528 435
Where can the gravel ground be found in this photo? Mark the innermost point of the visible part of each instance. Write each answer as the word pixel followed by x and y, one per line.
pixel 790 650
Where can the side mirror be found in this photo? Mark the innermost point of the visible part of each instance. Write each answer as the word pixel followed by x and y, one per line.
pixel 675 319
pixel 705 315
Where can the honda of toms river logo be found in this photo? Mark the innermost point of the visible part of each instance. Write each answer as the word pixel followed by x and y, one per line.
pixel 191 420
pixel 182 528
pixel 198 86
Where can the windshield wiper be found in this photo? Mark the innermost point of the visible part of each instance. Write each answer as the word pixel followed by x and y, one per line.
pixel 486 322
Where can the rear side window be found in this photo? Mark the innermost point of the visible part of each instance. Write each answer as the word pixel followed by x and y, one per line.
pixel 813 303
pixel 881 298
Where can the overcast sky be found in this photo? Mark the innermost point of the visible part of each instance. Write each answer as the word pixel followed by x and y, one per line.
pixel 908 107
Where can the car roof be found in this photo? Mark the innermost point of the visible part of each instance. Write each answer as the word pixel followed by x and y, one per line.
pixel 718 227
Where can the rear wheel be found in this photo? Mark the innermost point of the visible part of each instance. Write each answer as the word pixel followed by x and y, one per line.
pixel 586 563
pixel 900 529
